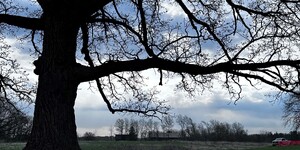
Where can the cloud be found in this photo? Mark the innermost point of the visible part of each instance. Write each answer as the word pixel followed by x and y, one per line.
pixel 255 116
pixel 173 9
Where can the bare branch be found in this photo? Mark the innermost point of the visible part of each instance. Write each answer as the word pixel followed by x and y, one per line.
pixel 206 25
pixel 251 11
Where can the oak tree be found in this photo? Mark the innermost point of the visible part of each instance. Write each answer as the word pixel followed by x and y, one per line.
pixel 198 41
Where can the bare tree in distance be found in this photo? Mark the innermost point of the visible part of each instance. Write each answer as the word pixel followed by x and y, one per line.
pixel 15 125
pixel 89 136
pixel 222 40
pixel 120 126
pixel 182 121
pixel 291 111
pixel 126 126
pixel 111 131
pixel 167 123
pixel 135 125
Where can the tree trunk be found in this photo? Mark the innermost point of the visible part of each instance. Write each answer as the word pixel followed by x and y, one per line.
pixel 54 125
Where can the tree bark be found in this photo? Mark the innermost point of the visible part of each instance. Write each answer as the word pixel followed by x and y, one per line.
pixel 54 125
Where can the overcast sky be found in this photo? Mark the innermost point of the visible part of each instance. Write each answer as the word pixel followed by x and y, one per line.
pixel 255 111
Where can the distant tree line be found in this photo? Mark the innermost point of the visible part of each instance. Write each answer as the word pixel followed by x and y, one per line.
pixel 267 136
pixel 187 129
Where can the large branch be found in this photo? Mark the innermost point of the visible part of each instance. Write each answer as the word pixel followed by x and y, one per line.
pixel 88 73
pixel 22 22
pixel 85 8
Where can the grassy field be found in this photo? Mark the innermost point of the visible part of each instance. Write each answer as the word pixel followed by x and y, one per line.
pixel 163 145
pixel 279 148
pixel 169 145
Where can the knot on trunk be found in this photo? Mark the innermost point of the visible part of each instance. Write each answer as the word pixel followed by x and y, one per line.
pixel 37 64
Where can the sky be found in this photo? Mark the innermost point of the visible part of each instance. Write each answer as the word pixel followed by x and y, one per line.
pixel 256 111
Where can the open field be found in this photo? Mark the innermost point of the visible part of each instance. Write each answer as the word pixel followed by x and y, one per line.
pixel 169 145
pixel 163 145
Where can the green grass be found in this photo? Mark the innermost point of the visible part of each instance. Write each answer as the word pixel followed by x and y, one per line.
pixel 131 145
pixel 279 148
pixel 164 145
pixel 11 146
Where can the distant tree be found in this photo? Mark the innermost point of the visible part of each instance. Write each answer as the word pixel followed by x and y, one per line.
pixel 132 130
pixel 142 128
pixel 294 135
pixel 191 129
pixel 220 131
pixel 148 127
pixel 132 133
pixel 181 121
pixel 291 111
pixel 111 131
pixel 205 130
pixel 216 132
pixel 151 128
pixel 167 123
pixel 135 125
pixel 266 136
pixel 126 126
pixel 238 132
pixel 188 128
pixel 219 40
pixel 155 126
pixel 120 126
pixel 89 136
pixel 14 124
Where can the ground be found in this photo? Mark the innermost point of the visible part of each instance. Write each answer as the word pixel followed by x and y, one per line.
pixel 164 145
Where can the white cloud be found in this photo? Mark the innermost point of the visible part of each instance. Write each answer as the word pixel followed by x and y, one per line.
pixel 88 97
pixel 101 131
pixel 173 9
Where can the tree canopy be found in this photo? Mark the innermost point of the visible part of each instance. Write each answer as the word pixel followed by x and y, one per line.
pixel 256 41
pixel 113 41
